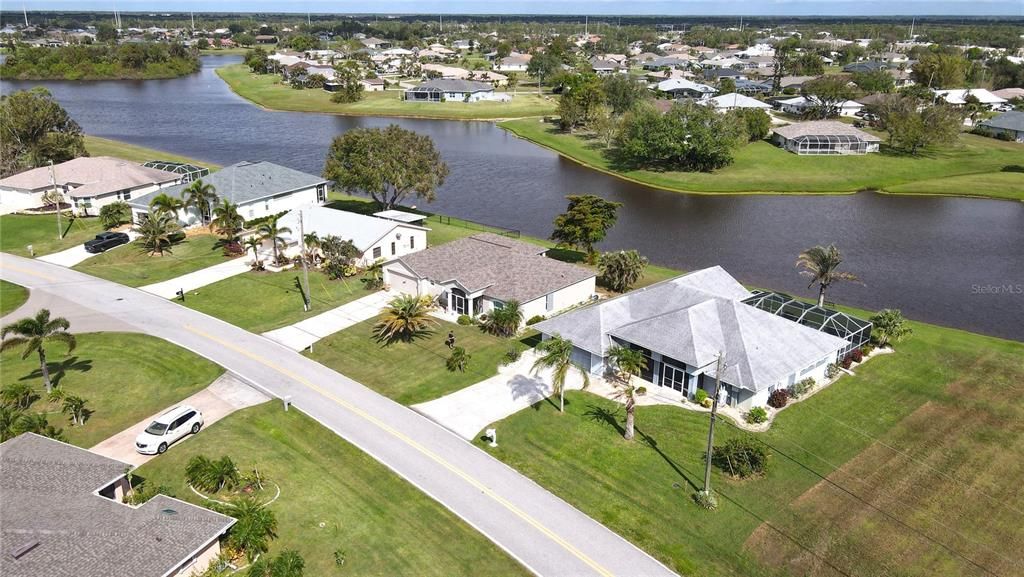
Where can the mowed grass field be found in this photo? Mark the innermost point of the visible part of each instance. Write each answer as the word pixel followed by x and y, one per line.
pixel 124 377
pixel 269 91
pixel 132 265
pixel 975 165
pixel 98 146
pixel 909 468
pixel 17 231
pixel 334 498
pixel 12 296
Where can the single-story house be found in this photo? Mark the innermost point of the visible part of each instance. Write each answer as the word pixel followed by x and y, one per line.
pixel 735 100
pixel 514 63
pixel 265 39
pixel 1009 93
pixel 476 274
pixel 866 66
pixel 376 238
pixel 802 104
pixel 824 137
pixel 681 325
pixel 753 87
pixel 718 74
pixel 259 189
pixel 373 84
pixel 440 90
pixel 606 67
pixel 88 183
pixel 683 88
pixel 376 43
pixel 63 516
pixel 667 62
pixel 1010 124
pixel 958 97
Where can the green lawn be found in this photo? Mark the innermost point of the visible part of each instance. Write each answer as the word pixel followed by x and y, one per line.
pixel 17 231
pixel 946 410
pixel 412 372
pixel 334 497
pixel 269 91
pixel 761 167
pixel 263 301
pixel 124 377
pixel 12 296
pixel 132 265
pixel 97 146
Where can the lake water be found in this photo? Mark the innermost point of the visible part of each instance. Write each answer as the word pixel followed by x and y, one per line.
pixel 950 261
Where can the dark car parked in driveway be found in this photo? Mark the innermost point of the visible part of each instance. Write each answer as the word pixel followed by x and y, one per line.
pixel 105 241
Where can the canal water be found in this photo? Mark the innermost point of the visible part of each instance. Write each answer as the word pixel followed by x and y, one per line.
pixel 951 261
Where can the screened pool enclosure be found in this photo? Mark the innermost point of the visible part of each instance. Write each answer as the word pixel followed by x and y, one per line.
pixel 190 172
pixel 856 331
pixel 828 144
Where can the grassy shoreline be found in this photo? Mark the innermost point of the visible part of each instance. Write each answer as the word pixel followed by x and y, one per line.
pixel 946 172
pixel 268 92
pixel 99 146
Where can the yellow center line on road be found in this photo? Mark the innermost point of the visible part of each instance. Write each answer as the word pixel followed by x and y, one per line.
pixel 28 272
pixel 415 445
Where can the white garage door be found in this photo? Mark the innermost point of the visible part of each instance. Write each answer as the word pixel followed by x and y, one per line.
pixel 401 283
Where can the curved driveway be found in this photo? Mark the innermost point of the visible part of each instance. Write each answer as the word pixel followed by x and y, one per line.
pixel 546 534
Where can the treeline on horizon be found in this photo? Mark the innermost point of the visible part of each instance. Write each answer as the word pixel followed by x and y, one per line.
pixel 100 61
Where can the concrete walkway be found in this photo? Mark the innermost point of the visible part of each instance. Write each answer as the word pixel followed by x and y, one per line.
pixel 302 334
pixel 200 278
pixel 224 396
pixel 76 254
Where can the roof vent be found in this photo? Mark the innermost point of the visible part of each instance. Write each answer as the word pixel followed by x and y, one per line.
pixel 168 511
pixel 23 549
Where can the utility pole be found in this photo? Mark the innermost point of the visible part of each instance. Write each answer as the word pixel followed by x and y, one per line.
pixel 24 13
pixel 58 197
pixel 305 266
pixel 719 367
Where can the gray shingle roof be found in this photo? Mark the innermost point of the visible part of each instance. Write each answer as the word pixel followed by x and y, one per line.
pixel 693 317
pixel 508 269
pixel 1007 121
pixel 244 182
pixel 452 85
pixel 49 497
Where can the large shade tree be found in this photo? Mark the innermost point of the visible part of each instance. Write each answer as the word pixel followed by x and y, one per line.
pixel 821 265
pixel 620 270
pixel 34 130
pixel 389 164
pixel 555 354
pixel 34 333
pixel 585 223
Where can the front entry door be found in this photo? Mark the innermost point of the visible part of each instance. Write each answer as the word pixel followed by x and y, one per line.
pixel 673 378
pixel 460 304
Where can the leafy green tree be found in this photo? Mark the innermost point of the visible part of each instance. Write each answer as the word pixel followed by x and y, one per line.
pixel 115 214
pixel 580 101
pixel 457 360
pixel 203 44
pixel 254 527
pixel 756 122
pixel 35 130
pixel 620 270
pixel 727 86
pixel 689 137
pixel 1006 74
pixel 606 126
pixel 212 475
pixel 555 354
pixel 821 265
pixel 626 363
pixel 157 231
pixel 940 70
pixel 347 75
pixel 338 256
pixel 503 50
pixel 200 196
pixel 874 81
pixel 741 457
pixel 105 32
pixel 257 60
pixel 274 232
pixel 912 126
pixel 585 223
pixel 622 92
pixel 542 66
pixel 388 164
pixel 504 321
pixel 806 64
pixel 303 42
pixel 406 318
pixel 889 326
pixel 33 333
pixel 244 39
pixel 830 92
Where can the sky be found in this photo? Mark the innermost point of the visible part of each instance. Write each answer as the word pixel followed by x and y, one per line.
pixel 573 7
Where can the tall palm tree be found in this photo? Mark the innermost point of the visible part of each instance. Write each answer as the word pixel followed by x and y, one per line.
pixel 627 362
pixel 33 333
pixel 156 229
pixel 226 220
pixel 821 264
pixel 164 202
pixel 556 354
pixel 201 197
pixel 405 318
pixel 504 322
pixel 271 230
pixel 255 243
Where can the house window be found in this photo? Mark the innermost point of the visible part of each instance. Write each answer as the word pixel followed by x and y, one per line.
pixel 549 302
pixel 412 242
pixel 124 195
pixel 321 193
pixel 392 249
pixel 376 252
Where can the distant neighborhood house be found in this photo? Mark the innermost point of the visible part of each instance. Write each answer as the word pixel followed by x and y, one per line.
pixel 441 90
pixel 1008 125
pixel 374 237
pixel 824 137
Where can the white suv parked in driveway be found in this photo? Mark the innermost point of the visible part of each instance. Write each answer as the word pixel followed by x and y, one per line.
pixel 168 428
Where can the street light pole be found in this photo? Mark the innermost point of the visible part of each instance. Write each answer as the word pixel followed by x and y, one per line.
pixel 305 267
pixel 719 367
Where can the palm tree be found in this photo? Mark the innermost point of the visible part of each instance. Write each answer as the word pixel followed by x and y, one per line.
pixel 156 230
pixel 271 230
pixel 254 527
pixel 312 243
pixel 458 360
pixel 373 279
pixel 75 407
pixel 405 318
pixel 820 263
pixel 201 197
pixel 18 395
pixel 556 354
pixel 889 325
pixel 504 321
pixel 627 362
pixel 254 244
pixel 34 332
pixel 8 422
pixel 210 475
pixel 37 423
pixel 164 202
pixel 226 221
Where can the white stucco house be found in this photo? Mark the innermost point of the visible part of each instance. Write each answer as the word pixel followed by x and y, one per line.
pixel 682 324
pixel 801 104
pixel 683 88
pixel 88 183
pixel 476 274
pixel 375 237
pixel 259 189
pixel 453 90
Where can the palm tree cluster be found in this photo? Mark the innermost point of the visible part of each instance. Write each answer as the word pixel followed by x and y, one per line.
pixel 254 527
pixel 212 475
pixel 556 355
pixel 406 318
pixel 504 321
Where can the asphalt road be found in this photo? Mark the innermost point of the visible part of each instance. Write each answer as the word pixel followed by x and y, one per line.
pixel 543 532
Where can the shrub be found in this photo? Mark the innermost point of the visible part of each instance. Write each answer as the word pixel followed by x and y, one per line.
pixel 778 398
pixel 706 500
pixel 458 360
pixel 757 415
pixel 143 492
pixel 535 319
pixel 857 355
pixel 867 348
pixel 847 362
pixel 741 457
pixel 802 387
pixel 832 370
pixel 700 396
pixel 464 320
pixel 208 475
pixel 512 355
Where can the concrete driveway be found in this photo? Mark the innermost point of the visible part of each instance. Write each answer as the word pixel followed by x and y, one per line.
pixel 302 334
pixel 76 254
pixel 200 278
pixel 224 396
